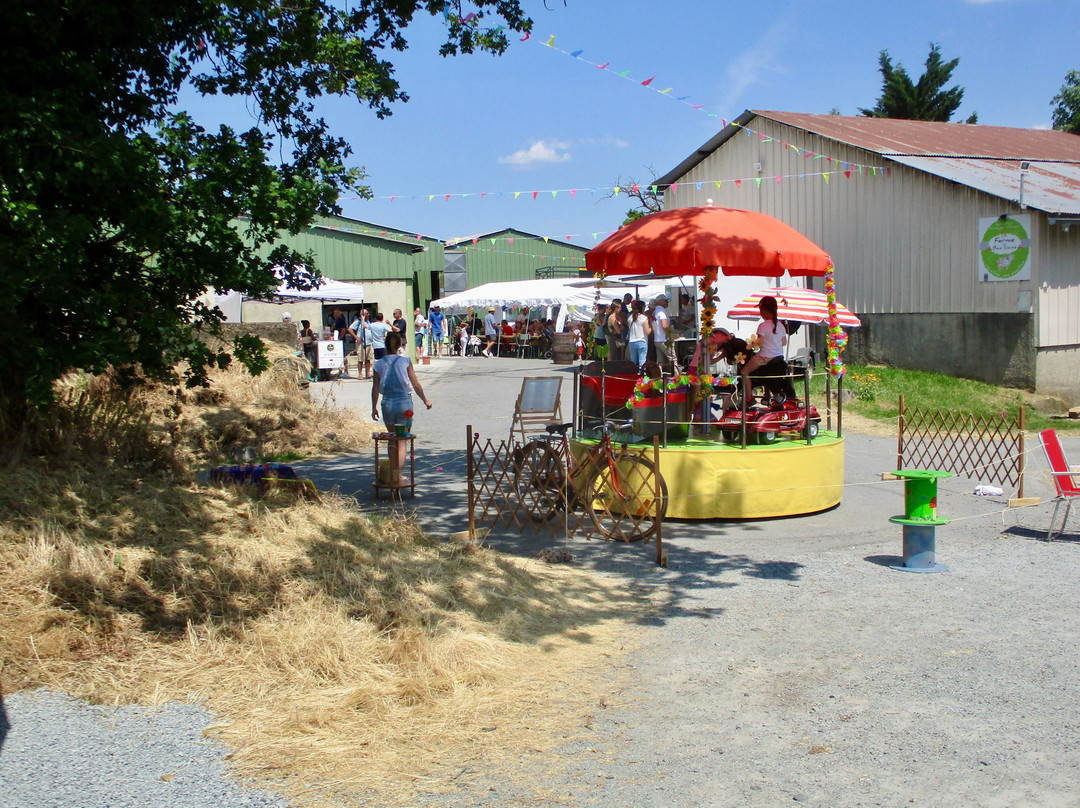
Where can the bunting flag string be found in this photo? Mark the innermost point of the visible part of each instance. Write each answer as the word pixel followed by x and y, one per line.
pixel 832 165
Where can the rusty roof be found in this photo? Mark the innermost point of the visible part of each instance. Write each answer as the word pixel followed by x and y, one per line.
pixel 986 158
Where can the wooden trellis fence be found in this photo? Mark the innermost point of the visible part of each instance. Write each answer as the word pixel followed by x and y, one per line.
pixel 989 449
pixel 503 493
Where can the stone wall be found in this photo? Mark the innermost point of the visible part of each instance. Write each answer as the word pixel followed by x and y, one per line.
pixel 280 333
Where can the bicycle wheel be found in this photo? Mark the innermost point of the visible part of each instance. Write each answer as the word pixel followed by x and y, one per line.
pixel 539 480
pixel 621 498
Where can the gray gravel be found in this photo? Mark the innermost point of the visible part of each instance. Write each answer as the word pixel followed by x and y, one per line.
pixel 57 752
pixel 790 664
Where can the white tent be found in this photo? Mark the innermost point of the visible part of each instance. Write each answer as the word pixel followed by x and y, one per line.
pixel 340 291
pixel 543 292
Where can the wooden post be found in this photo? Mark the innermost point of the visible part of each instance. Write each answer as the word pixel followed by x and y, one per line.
pixel 469 477
pixel 1020 460
pixel 900 437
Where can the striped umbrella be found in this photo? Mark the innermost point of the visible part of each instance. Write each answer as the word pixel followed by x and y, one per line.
pixel 794 303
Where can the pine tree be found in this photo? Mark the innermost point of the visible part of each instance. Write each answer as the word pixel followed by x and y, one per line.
pixel 922 101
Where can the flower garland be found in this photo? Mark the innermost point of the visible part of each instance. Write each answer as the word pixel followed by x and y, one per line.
pixel 709 299
pixel 707 381
pixel 836 337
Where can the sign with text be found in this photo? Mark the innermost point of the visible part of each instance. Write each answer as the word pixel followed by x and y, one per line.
pixel 1005 248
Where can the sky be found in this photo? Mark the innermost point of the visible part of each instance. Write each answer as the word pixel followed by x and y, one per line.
pixel 538 119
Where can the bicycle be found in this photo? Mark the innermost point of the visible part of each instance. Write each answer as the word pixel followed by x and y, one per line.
pixel 616 488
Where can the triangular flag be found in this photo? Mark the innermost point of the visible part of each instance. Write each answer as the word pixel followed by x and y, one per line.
pixel 697 106
pixel 636 189
pixel 517 194
pixel 698 184
pixel 652 190
pixel 551 41
pixel 572 192
pixel 431 197
pixel 483 194
pixel 447 198
pixel 826 176
pixel 545 239
pixel 534 193
pixel 577 53
pixel 554 194
pixel 758 181
pixel 674 187
pixel 617 189
pixel 625 73
pixel 491 240
pixel 474 240
pixel 605 64
pixel 509 241
pixel 668 90
pixel 718 183
pixel 392 198
pixel 778 180
pixel 567 238
pixel 847 173
pixel 738 183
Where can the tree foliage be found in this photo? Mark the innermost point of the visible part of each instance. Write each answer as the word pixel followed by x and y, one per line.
pixel 924 100
pixel 117 209
pixel 1067 104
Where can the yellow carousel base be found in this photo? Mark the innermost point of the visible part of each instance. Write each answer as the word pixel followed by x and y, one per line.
pixel 707 479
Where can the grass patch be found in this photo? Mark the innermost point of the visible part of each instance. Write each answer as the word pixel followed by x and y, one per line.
pixel 876 390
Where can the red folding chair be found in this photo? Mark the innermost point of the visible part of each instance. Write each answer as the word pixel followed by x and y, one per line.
pixel 1065 478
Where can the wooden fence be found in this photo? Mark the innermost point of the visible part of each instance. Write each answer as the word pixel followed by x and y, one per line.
pixel 990 449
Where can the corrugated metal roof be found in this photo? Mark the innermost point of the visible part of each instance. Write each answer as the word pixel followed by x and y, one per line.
pixel 986 158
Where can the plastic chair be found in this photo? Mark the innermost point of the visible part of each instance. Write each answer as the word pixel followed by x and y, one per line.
pixel 1065 479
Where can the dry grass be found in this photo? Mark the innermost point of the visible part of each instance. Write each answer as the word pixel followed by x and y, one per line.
pixel 348 655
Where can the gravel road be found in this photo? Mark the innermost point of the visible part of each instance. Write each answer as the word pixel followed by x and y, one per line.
pixel 789 663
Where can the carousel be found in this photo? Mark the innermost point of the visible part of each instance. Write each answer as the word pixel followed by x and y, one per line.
pixel 727 460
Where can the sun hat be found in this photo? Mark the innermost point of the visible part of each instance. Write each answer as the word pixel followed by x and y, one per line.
pixel 491 308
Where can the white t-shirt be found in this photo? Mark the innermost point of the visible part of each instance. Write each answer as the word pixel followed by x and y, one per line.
pixel 772 345
pixel 637 328
pixel 660 322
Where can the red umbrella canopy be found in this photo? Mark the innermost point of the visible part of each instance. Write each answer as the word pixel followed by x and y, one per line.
pixel 794 303
pixel 685 241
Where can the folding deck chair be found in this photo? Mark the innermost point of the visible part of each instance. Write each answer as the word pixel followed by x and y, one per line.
pixel 1065 479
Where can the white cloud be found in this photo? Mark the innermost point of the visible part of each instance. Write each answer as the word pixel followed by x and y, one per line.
pixel 539 152
pixel 752 63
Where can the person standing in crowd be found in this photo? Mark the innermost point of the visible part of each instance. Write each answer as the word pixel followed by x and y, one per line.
pixel 638 335
pixel 360 330
pixel 600 348
pixel 491 330
pixel 436 323
pixel 419 330
pixel 660 323
pixel 400 326
pixel 685 322
pixel 307 341
pixel 463 337
pixel 395 378
pixel 379 331
pixel 615 331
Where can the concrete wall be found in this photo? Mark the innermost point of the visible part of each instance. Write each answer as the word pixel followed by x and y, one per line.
pixel 992 348
pixel 1058 372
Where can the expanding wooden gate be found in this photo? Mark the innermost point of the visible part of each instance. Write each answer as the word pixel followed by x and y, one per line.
pixel 968 445
pixel 502 492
